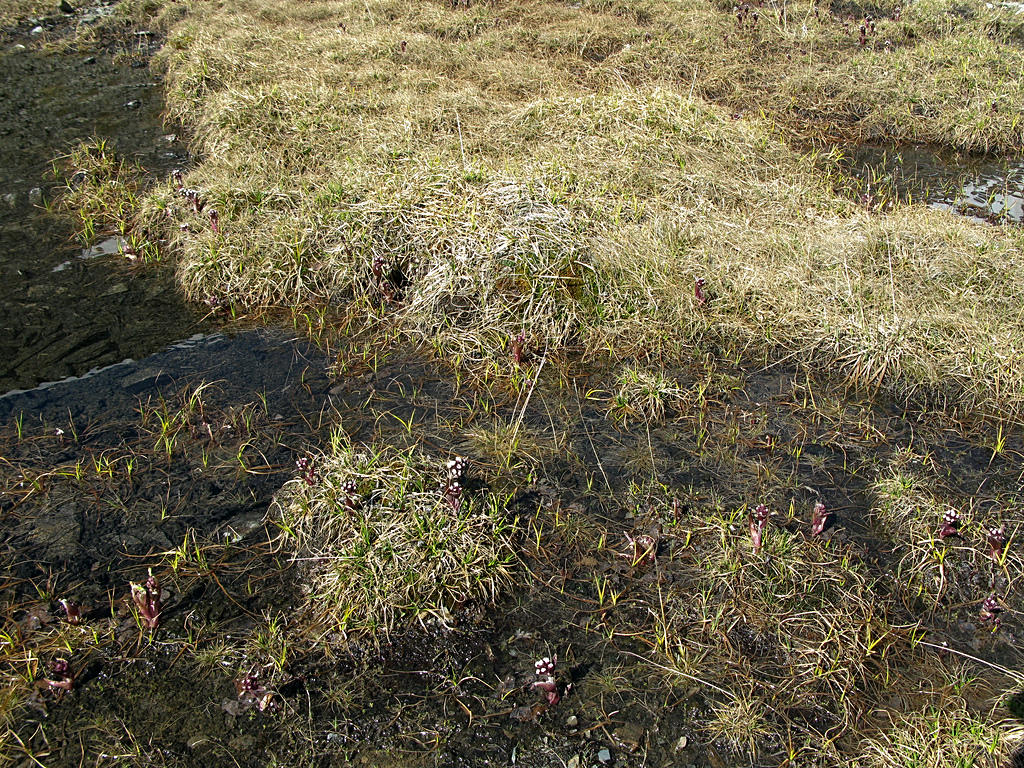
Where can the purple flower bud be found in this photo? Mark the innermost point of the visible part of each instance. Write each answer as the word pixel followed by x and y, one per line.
pixel 457 468
pixel 519 351
pixel 146 597
pixel 698 291
pixel 72 611
pixel 990 610
pixel 758 521
pixel 996 542
pixel 819 519
pixel 950 524
pixel 214 220
pixel 453 494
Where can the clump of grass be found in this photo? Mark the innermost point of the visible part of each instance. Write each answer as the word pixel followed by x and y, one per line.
pixel 644 394
pixel 385 541
pixel 940 735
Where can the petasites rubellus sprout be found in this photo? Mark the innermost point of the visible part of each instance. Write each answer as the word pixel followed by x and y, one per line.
pixel 950 524
pixel 758 521
pixel 72 611
pixel 990 610
pixel 545 669
pixel 996 542
pixel 819 519
pixel 698 291
pixel 146 597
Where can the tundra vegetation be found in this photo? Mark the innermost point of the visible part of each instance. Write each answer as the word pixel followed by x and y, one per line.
pixel 650 433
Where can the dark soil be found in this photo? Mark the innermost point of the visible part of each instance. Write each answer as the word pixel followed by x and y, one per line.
pixel 61 315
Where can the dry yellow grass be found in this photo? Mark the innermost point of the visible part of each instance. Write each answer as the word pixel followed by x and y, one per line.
pixel 548 169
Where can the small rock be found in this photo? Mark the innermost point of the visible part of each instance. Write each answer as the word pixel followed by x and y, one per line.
pixel 11 199
pixel 89 60
pixel 604 757
pixel 18 48
pixel 35 196
pixel 574 762
pixel 133 104
pixel 170 138
pixel 681 744
pixel 38 30
pixel 572 721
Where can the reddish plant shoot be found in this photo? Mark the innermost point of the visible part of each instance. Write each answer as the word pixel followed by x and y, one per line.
pixel 819 519
pixel 996 542
pixel 699 293
pixel 60 676
pixel 519 351
pixel 146 597
pixel 950 524
pixel 307 469
pixel 545 669
pixel 990 610
pixel 758 521
pixel 72 611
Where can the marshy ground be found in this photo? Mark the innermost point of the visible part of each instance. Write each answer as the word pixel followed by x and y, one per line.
pixel 617 424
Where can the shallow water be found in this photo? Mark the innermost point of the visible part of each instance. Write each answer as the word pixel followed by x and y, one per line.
pixel 65 309
pixel 987 188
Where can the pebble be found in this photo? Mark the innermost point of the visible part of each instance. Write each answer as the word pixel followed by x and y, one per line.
pixel 19 48
pixel 604 757
pixel 681 744
pixel 35 196
pixel 11 199
pixel 133 104
pixel 574 762
pixel 36 31
pixel 572 721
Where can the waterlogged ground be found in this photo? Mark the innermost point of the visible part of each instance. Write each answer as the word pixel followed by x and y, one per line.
pixel 181 484
pixel 986 188
pixel 62 313
pixel 630 485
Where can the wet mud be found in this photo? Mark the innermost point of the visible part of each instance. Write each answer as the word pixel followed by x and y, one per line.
pixel 62 315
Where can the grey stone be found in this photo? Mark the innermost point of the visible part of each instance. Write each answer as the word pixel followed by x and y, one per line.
pixel 11 199
pixel 35 196
pixel 38 30
pixel 604 757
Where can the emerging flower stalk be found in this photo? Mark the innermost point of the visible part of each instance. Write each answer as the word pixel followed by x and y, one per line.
pixel 72 611
pixel 519 351
pixel 820 518
pixel 251 691
pixel 545 669
pixel 146 597
pixel 996 542
pixel 60 676
pixel 307 469
pixel 698 291
pixel 990 610
pixel 950 524
pixel 758 521
pixel 452 489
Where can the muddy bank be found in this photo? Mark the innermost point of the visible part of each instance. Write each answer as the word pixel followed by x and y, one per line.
pixel 209 428
pixel 61 314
